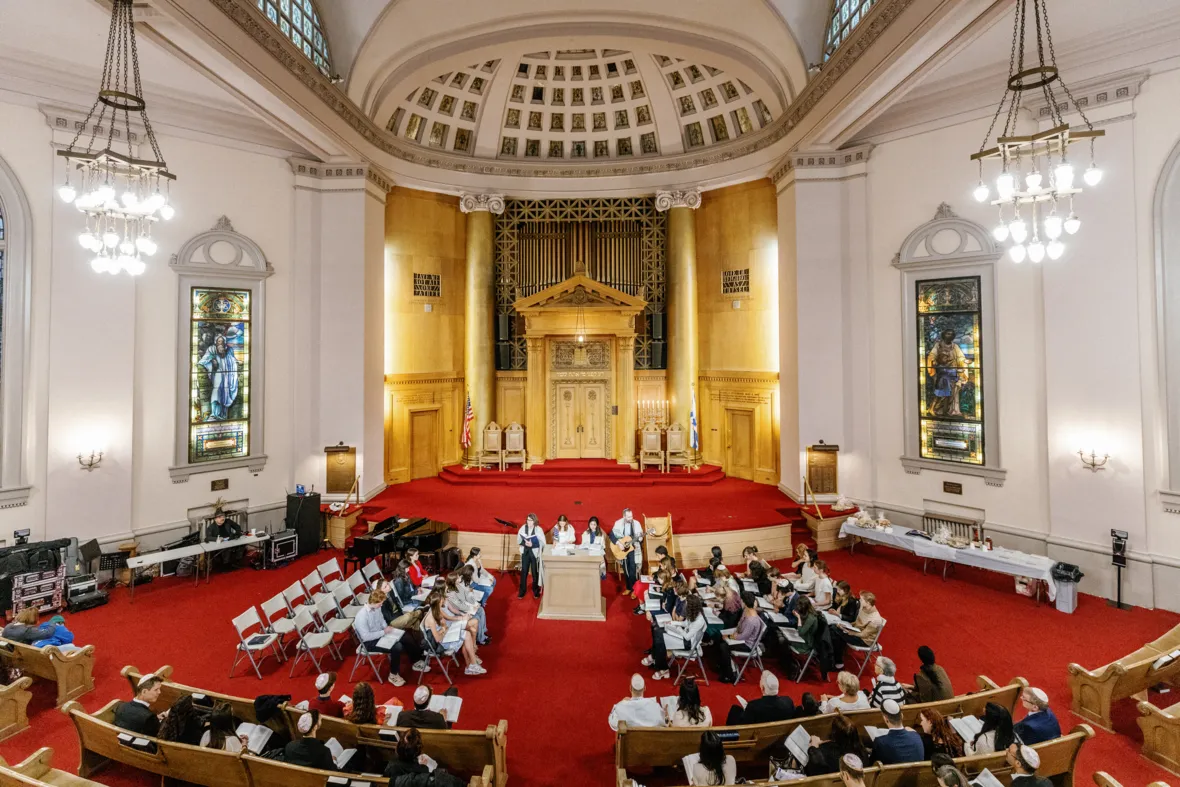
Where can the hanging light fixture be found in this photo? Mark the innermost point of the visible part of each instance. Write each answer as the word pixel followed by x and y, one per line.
pixel 1035 170
pixel 120 194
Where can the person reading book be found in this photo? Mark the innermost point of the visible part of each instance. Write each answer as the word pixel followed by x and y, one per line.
pixel 482 579
pixel 378 636
pixel 938 736
pixel 687 710
pixel 850 697
pixel 713 765
pixel 897 744
pixel 437 627
pixel 637 710
pixel 308 751
pixel 824 756
pixel 137 716
pixel 416 571
pixel 530 540
pixel 675 635
pixel 182 723
pixel 362 709
pixel 768 707
pixel 409 758
pixel 220 733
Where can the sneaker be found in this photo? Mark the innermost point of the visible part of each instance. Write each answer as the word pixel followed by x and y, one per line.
pixel 475 669
pixel 421 666
pixel 397 680
pixel 638 611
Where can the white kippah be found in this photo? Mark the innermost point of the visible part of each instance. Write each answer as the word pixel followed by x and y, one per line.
pixel 145 678
pixel 305 723
pixel 852 761
pixel 421 695
pixel 1040 695
pixel 637 682
pixel 1030 756
pixel 890 707
pixel 769 682
pixel 300 705
pixel 321 681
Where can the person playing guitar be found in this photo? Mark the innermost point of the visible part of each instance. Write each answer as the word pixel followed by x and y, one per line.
pixel 626 537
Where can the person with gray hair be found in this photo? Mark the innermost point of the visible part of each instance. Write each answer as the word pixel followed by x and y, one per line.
pixel 885 685
pixel 1041 723
pixel 768 707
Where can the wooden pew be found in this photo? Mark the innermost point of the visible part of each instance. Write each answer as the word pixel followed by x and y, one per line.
pixel 271 773
pixel 1095 690
pixel 71 671
pixel 37 769
pixel 1104 779
pixel 461 751
pixel 1161 734
pixel 14 707
pixel 656 746
pixel 100 745
pixel 1058 759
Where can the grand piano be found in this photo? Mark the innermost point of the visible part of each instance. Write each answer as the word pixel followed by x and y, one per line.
pixel 393 536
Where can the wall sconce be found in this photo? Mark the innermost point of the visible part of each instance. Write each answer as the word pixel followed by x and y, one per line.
pixel 1092 462
pixel 91 462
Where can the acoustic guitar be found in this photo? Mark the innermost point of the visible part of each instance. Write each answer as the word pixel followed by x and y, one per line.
pixel 623 547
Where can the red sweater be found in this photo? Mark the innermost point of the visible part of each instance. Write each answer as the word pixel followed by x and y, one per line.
pixel 417 573
pixel 328 707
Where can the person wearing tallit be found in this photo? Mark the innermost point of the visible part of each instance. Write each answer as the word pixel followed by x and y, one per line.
pixel 563 531
pixel 531 540
pixel 594 537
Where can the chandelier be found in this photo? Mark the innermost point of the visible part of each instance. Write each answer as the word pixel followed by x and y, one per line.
pixel 119 193
pixel 1036 177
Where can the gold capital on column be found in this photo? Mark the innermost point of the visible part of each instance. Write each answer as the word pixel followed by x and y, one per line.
pixel 681 300
pixel 479 306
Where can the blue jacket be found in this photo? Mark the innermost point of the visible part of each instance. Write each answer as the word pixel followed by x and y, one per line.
pixel 898 745
pixel 1038 727
pixel 57 635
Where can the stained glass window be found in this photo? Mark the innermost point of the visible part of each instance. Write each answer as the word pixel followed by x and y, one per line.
pixel 950 382
pixel 219 398
pixel 299 20
pixel 846 15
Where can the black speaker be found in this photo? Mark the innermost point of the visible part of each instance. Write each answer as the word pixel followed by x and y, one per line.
pixel 503 356
pixel 657 326
pixel 502 327
pixel 657 355
pixel 89 552
pixel 304 517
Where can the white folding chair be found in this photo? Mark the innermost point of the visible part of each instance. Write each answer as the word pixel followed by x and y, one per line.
pixel 314 587
pixel 329 569
pixel 363 654
pixel 754 654
pixel 356 583
pixel 278 621
pixel 693 654
pixel 309 639
pixel 346 602
pixel 253 638
pixel 331 621
pixel 296 598
pixel 869 650
pixel 438 652
pixel 372 574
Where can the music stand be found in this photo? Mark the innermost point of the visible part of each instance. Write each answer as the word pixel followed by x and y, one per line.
pixel 112 562
pixel 506 544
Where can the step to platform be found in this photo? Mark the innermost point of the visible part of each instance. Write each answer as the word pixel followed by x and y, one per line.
pixel 580 472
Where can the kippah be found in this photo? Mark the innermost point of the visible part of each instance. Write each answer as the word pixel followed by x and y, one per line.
pixel 769 680
pixel 305 723
pixel 421 695
pixel 1030 756
pixel 1039 694
pixel 299 705
pixel 321 681
pixel 145 678
pixel 637 682
pixel 852 761
pixel 891 707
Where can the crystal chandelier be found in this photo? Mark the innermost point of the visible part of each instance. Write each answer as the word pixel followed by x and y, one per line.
pixel 119 193
pixel 1036 175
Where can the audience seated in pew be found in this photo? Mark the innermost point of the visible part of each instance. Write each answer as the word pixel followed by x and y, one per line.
pixel 768 707
pixel 421 716
pixel 714 765
pixel 897 744
pixel 409 758
pixel 1040 724
pixel 931 682
pixel 182 723
pixel 997 733
pixel 136 715
pixel 25 629
pixel 938 736
pixel 268 712
pixel 308 751
pixel 1025 761
pixel 808 706
pixel 221 731
pixel 886 686
pixel 637 710
pixel 851 697
pixel 689 711
pixel 824 756
pixel 324 702
pixel 947 774
pixel 852 771
pixel 362 709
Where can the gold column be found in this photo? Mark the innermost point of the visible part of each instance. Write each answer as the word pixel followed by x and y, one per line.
pixel 625 377
pixel 535 400
pixel 681 275
pixel 479 313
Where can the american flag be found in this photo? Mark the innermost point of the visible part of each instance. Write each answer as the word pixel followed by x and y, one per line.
pixel 468 417
pixel 694 437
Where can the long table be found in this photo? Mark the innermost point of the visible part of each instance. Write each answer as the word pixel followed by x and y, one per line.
pixel 193 550
pixel 999 559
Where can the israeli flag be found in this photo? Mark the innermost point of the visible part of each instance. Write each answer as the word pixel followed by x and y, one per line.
pixel 694 438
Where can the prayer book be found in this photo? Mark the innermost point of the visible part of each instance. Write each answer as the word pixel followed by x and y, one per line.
pixel 712 618
pixel 448 706
pixel 389 640
pixel 704 581
pixel 428 761
pixel 340 755
pixel 256 736
pixel 428 582
pixel 835 620
pixel 750 585
pixel 706 593
pixel 798 743
pixel 690 760
pixel 986 779
pixel 645 578
pixel 651 604
pixel 764 603
pixel 741 701
pixel 671 705
pixel 391 714
pixel 778 617
pixel 662 619
pixel 257 640
pixel 454 633
pixel 874 732
pixel 792 635
pixel 967 726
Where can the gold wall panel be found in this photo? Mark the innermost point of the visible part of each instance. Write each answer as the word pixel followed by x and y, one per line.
pixel 511 403
pixel 406 394
pixel 737 228
pixel 424 233
pixel 756 393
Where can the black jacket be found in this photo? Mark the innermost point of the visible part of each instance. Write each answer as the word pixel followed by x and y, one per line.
pixel 310 753
pixel 137 718
pixel 397 768
pixel 766 709
pixel 422 719
pixel 1031 781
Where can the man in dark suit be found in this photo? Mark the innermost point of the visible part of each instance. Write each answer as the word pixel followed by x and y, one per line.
pixel 137 716
pixel 1041 723
pixel 1025 761
pixel 898 744
pixel 768 707
pixel 422 717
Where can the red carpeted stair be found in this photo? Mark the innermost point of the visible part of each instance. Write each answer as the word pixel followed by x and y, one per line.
pixel 581 473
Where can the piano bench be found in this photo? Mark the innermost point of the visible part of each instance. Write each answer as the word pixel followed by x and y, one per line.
pixel 354 560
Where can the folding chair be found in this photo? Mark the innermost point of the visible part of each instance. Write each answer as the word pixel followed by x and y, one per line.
pixel 685 657
pixel 438 652
pixel 754 654
pixel 296 598
pixel 328 569
pixel 250 643
pixel 362 653
pixel 345 601
pixel 331 621
pixel 278 621
pixel 372 574
pixel 356 583
pixel 870 650
pixel 314 587
pixel 310 640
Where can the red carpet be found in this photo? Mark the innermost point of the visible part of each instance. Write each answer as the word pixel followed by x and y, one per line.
pixel 555 681
pixel 729 504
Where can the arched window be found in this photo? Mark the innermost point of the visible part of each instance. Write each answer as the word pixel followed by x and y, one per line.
pixel 846 15
pixel 16 249
pixel 300 21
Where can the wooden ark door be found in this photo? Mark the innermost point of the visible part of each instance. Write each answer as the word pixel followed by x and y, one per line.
pixel 568 437
pixel 739 444
pixel 423 444
pixel 592 420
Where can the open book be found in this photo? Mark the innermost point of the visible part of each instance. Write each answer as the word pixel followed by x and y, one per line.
pixel 256 736
pixel 967 726
pixel 986 779
pixel 428 582
pixel 798 743
pixel 671 705
pixel 391 714
pixel 340 755
pixel 651 604
pixel 449 707
pixel 741 701
pixel 750 585
pixel 454 633
pixel 764 603
pixel 391 639
pixel 792 635
pixel 689 761
pixel 662 619
pixel 874 732
pixel 779 618
pixel 711 617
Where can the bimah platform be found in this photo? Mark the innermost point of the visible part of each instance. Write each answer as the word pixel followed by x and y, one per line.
pixel 572 584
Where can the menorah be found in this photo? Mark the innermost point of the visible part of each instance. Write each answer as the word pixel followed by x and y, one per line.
pixel 653 411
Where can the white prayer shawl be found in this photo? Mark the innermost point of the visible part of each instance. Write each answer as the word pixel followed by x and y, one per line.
pixel 637 712
pixel 526 532
pixel 600 539
pixel 567 536
pixel 619 531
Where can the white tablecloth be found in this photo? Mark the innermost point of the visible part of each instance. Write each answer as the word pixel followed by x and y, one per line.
pixel 1000 560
